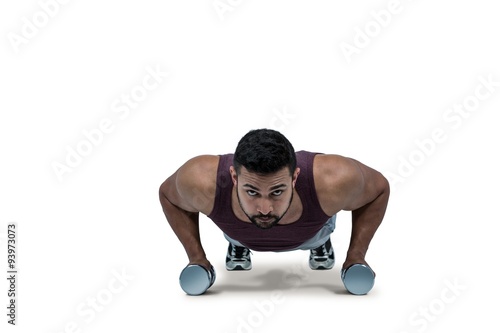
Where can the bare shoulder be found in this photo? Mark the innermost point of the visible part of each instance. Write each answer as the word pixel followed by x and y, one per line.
pixel 192 187
pixel 343 183
pixel 335 177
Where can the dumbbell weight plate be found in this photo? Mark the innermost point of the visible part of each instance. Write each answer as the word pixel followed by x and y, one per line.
pixel 195 279
pixel 358 279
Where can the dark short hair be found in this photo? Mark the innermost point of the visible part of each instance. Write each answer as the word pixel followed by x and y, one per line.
pixel 264 151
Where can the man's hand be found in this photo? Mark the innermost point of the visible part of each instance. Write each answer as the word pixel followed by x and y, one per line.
pixel 352 260
pixel 202 262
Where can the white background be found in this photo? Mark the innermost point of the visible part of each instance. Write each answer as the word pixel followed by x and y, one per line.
pixel 230 72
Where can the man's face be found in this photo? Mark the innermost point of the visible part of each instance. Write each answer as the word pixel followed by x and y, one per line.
pixel 264 199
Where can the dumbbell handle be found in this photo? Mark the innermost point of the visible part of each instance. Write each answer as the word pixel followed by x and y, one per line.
pixel 212 275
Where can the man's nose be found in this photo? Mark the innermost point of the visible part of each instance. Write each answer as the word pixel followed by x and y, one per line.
pixel 265 207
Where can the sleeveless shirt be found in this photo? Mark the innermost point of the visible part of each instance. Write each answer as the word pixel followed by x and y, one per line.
pixel 279 237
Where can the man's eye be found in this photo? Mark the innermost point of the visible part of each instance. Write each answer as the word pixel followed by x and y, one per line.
pixel 277 193
pixel 251 193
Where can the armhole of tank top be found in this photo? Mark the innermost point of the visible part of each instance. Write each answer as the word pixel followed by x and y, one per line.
pixel 218 199
pixel 216 205
pixel 312 187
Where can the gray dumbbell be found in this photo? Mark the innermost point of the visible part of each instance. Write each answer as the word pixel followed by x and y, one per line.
pixel 358 279
pixel 196 279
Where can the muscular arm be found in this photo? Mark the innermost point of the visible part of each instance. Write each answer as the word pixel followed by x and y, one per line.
pixel 368 211
pixel 346 184
pixel 183 196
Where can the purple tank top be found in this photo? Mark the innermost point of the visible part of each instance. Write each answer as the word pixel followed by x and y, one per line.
pixel 279 237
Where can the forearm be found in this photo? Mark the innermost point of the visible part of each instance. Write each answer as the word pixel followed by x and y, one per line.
pixel 186 227
pixel 365 222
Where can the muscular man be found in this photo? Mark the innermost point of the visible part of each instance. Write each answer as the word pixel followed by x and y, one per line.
pixel 267 197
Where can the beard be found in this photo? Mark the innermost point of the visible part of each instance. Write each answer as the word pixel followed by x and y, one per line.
pixel 262 221
pixel 269 222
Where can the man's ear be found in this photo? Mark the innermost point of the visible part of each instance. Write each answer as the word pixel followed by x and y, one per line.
pixel 295 176
pixel 234 175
